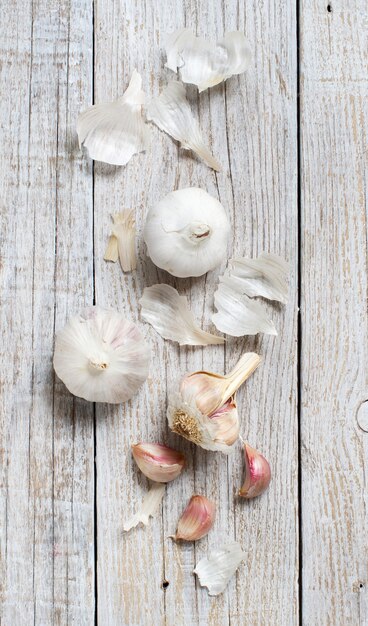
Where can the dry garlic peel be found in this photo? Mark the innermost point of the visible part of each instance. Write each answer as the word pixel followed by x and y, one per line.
pixel 171 112
pixel 149 506
pixel 187 232
pixel 257 473
pixel 101 357
pixel 122 241
pixel 264 276
pixel 114 131
pixel 169 314
pixel 239 315
pixel 196 520
pixel 207 63
pixel 158 462
pixel 215 571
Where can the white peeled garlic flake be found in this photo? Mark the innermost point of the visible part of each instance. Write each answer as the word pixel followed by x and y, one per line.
pixel 114 131
pixel 171 112
pixel 149 506
pixel 264 276
pixel 215 571
pixel 207 63
pixel 122 241
pixel 170 316
pixel 237 314
pixel 101 356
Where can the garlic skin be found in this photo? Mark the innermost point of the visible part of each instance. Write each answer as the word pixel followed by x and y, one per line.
pixel 101 357
pixel 257 473
pixel 112 132
pixel 122 241
pixel 196 520
pixel 216 570
pixel 206 63
pixel 171 112
pixel 170 316
pixel 264 276
pixel 187 233
pixel 158 462
pixel 148 508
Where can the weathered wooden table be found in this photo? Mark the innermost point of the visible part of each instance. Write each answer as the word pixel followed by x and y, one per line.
pixel 294 183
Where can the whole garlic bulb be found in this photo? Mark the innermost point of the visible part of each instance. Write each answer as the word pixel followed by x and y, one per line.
pixel 101 357
pixel 187 232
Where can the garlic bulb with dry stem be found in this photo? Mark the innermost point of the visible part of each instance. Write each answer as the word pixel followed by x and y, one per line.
pixel 158 462
pixel 204 410
pixel 122 241
pixel 100 356
pixel 187 232
pixel 257 473
pixel 196 520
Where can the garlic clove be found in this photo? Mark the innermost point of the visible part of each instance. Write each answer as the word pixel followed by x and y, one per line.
pixel 122 241
pixel 196 520
pixel 158 462
pixel 101 357
pixel 216 570
pixel 114 131
pixel 148 508
pixel 169 314
pixel 264 276
pixel 171 112
pixel 187 233
pixel 257 473
pixel 206 63
pixel 226 422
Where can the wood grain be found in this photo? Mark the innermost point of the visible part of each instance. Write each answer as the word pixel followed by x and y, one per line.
pixel 334 93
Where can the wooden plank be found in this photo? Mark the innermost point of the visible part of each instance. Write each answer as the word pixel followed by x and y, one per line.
pixel 46 486
pixel 252 125
pixel 334 94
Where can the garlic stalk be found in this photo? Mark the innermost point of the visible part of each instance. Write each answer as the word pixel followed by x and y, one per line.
pixel 215 571
pixel 148 508
pixel 114 131
pixel 204 410
pixel 187 232
pixel 196 520
pixel 169 314
pixel 264 276
pixel 158 462
pixel 207 63
pixel 171 112
pixel 257 473
pixel 100 356
pixel 122 241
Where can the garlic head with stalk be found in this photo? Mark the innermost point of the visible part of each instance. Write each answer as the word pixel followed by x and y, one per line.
pixel 101 356
pixel 158 462
pixel 196 520
pixel 187 232
pixel 257 473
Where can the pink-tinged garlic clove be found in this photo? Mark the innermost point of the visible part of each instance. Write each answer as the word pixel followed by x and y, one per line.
pixel 158 462
pixel 197 519
pixel 226 422
pixel 257 473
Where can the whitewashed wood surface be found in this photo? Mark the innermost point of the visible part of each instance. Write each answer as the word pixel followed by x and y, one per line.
pixel 293 182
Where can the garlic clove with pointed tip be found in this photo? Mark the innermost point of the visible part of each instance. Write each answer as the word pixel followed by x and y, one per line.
pixel 158 462
pixel 257 473
pixel 226 422
pixel 196 520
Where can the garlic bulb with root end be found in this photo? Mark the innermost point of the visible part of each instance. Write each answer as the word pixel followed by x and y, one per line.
pixel 264 276
pixel 112 132
pixel 187 233
pixel 148 508
pixel 170 316
pixel 196 520
pixel 171 112
pixel 122 241
pixel 158 462
pixel 216 570
pixel 257 473
pixel 205 411
pixel 207 63
pixel 101 357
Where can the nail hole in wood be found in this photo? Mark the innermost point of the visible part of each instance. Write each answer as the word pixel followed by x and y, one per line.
pixel 165 584
pixel 361 585
pixel 329 8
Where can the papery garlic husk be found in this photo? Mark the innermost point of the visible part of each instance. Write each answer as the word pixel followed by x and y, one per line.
pixel 169 314
pixel 257 473
pixel 237 314
pixel 112 132
pixel 158 462
pixel 122 241
pixel 101 357
pixel 187 232
pixel 196 520
pixel 148 508
pixel 216 570
pixel 171 112
pixel 207 63
pixel 264 276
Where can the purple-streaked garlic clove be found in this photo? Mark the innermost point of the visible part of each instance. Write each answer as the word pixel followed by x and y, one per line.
pixel 196 520
pixel 257 473
pixel 158 462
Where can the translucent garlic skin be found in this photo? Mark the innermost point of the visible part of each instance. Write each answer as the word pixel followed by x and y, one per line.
pixel 158 462
pixel 257 473
pixel 187 233
pixel 101 357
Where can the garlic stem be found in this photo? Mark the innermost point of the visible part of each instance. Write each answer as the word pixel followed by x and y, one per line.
pixel 240 373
